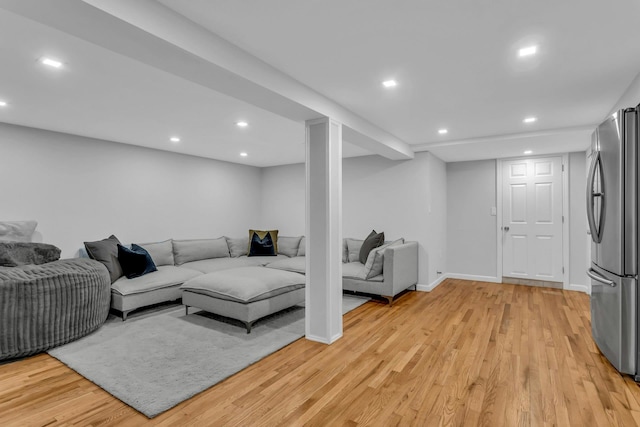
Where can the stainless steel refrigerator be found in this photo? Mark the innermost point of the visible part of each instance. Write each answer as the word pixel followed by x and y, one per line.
pixel 612 213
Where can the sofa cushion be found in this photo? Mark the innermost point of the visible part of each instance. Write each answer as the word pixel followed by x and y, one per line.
pixel 135 262
pixel 238 246
pixel 375 260
pixel 106 252
pixel 289 245
pixel 194 250
pixel 372 241
pixel 14 254
pixel 161 252
pixel 263 243
pixel 296 264
pixel 166 276
pixel 264 260
pixel 246 284
pixel 302 247
pixel 217 264
pixel 355 270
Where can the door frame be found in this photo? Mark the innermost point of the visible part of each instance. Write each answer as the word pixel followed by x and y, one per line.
pixel 565 213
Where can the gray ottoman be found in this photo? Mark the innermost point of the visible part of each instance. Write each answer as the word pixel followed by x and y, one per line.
pixel 245 294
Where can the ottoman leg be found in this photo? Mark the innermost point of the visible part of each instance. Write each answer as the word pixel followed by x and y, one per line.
pixel 186 310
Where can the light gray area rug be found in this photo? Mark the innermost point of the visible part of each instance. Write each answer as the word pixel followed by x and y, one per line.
pixel 154 361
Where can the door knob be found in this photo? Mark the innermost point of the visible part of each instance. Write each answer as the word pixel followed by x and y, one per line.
pixel 506 228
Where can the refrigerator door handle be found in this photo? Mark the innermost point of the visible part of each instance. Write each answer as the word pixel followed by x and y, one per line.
pixel 598 278
pixel 596 231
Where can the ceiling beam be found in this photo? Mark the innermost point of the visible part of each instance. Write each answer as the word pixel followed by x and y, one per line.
pixel 149 32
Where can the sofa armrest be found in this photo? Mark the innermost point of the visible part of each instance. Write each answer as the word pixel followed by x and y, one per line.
pixel 400 268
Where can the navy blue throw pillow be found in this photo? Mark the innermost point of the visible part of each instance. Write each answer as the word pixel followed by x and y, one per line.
pixel 263 243
pixel 135 262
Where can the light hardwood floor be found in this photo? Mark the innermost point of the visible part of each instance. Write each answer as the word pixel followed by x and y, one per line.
pixel 468 353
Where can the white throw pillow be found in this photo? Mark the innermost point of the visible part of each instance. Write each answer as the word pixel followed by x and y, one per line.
pixel 196 250
pixel 161 252
pixel 17 231
pixel 353 249
pixel 238 246
pixel 289 245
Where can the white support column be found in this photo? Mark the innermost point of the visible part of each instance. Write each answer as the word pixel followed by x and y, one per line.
pixel 324 230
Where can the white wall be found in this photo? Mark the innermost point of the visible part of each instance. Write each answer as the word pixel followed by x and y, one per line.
pixel 381 194
pixel 283 199
pixel 436 233
pixel 578 238
pixel 82 189
pixel 471 229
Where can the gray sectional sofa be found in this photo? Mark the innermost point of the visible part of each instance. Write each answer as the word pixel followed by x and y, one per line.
pixel 391 270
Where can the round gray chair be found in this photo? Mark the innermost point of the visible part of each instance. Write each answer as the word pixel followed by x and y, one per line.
pixel 44 306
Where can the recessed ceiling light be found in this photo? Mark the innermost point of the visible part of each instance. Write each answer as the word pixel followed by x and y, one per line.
pixel 389 83
pixel 530 120
pixel 242 124
pixel 528 51
pixel 174 139
pixel 3 103
pixel 51 62
pixel 243 154
pixel 443 131
pixel 528 152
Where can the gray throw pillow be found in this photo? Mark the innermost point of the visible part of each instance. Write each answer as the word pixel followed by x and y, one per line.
pixel 372 241
pixel 15 254
pixel 302 247
pixel 238 246
pixel 161 252
pixel 289 245
pixel 106 252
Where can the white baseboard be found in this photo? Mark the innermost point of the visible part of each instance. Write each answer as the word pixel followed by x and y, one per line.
pixel 431 286
pixel 490 279
pixel 323 340
pixel 579 288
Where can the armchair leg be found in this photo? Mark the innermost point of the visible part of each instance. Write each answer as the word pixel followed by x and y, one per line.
pixel 388 298
pixel 248 325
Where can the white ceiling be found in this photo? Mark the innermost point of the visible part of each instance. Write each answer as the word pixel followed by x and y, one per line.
pixel 455 61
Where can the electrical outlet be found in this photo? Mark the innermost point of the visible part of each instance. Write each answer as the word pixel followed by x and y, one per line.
pixel 494 211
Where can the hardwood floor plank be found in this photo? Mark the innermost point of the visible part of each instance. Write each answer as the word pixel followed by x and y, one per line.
pixel 466 354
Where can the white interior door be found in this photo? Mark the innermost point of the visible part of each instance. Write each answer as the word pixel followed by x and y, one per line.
pixel 532 219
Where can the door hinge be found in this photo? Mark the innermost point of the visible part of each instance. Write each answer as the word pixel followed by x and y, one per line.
pixel 562 270
pixel 563 219
pixel 562 168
